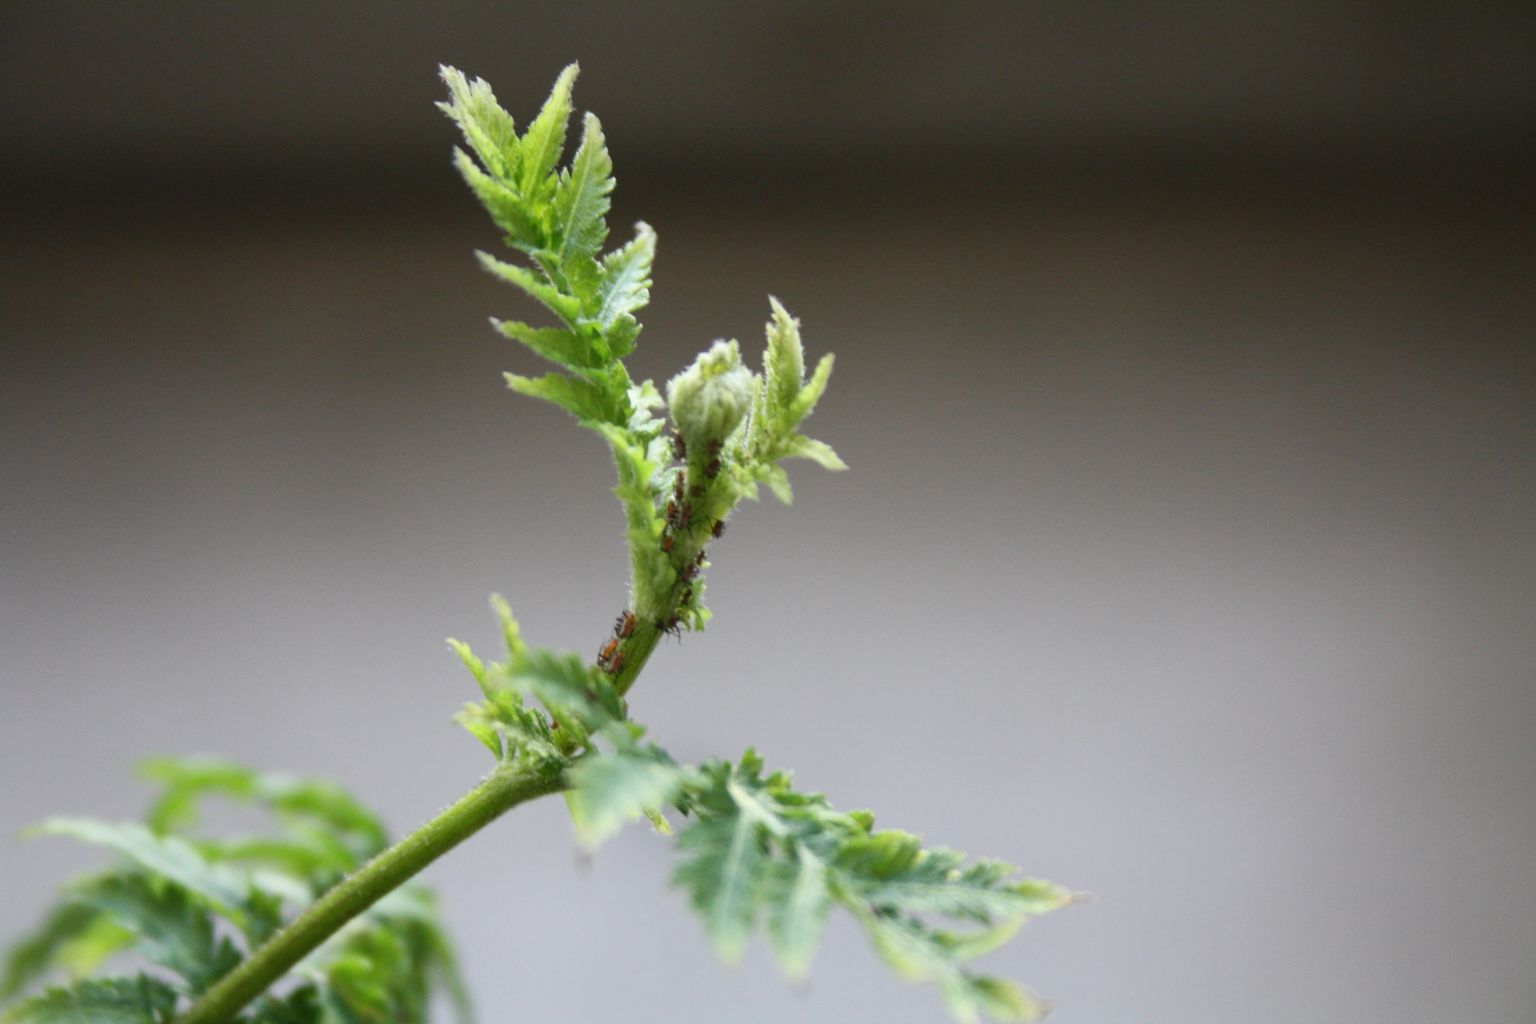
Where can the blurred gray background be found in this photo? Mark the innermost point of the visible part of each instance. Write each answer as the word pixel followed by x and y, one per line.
pixel 1186 371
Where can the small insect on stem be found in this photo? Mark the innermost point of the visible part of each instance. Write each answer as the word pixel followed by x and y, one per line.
pixel 666 544
pixel 624 627
pixel 680 486
pixel 713 469
pixel 679 448
pixel 608 652
pixel 616 665
pixel 687 596
pixel 672 514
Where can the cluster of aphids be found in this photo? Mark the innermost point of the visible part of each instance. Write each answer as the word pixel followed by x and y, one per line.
pixel 680 506
pixel 679 517
pixel 609 658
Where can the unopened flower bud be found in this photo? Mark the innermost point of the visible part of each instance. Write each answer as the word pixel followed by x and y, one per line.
pixel 709 399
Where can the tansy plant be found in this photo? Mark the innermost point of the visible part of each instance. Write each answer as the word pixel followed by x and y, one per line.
pixel 316 919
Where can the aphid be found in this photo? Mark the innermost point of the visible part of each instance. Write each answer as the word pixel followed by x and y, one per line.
pixel 608 652
pixel 672 513
pixel 713 448
pixel 684 516
pixel 687 596
pixel 698 559
pixel 689 572
pixel 713 469
pixel 666 544
pixel 718 530
pixel 680 485
pixel 679 448
pixel 616 665
pixel 625 626
pixel 673 626
pixel 698 489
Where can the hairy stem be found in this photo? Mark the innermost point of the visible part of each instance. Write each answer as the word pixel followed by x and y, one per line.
pixel 503 790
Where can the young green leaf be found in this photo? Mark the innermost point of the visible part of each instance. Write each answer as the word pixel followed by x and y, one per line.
pixel 541 146
pixel 167 856
pixel 173 932
pixel 608 790
pixel 580 206
pixel 49 945
pixel 136 1000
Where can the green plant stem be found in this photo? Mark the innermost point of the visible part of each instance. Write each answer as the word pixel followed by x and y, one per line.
pixel 503 790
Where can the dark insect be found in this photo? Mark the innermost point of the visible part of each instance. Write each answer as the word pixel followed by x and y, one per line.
pixel 718 530
pixel 666 544
pixel 625 625
pixel 684 516
pixel 672 513
pixel 689 572
pixel 698 489
pixel 713 469
pixel 608 652
pixel 713 448
pixel 698 560
pixel 616 665
pixel 687 596
pixel 679 448
pixel 681 485
pixel 673 626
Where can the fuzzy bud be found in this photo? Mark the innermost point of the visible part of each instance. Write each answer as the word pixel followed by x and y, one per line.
pixel 709 399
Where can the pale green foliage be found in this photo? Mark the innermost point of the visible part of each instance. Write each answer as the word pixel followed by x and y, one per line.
pixel 193 905
pixel 760 852
pixel 756 851
pixel 556 217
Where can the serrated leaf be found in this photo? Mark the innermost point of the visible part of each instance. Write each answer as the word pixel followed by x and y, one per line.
pixel 508 210
pixel 801 447
pixel 880 856
pixel 32 957
pixel 582 399
pixel 475 666
pixel 560 346
pixel 169 856
pixel 624 285
pixel 580 205
pixel 186 781
pixel 171 930
pixel 971 996
pixel 805 401
pixel 566 307
pixel 542 144
pixel 723 874
pixel 777 480
pixel 611 789
pixel 800 906
pixel 136 1000
pixel 566 684
pixel 784 363
pixel 487 127
pixel 938 882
